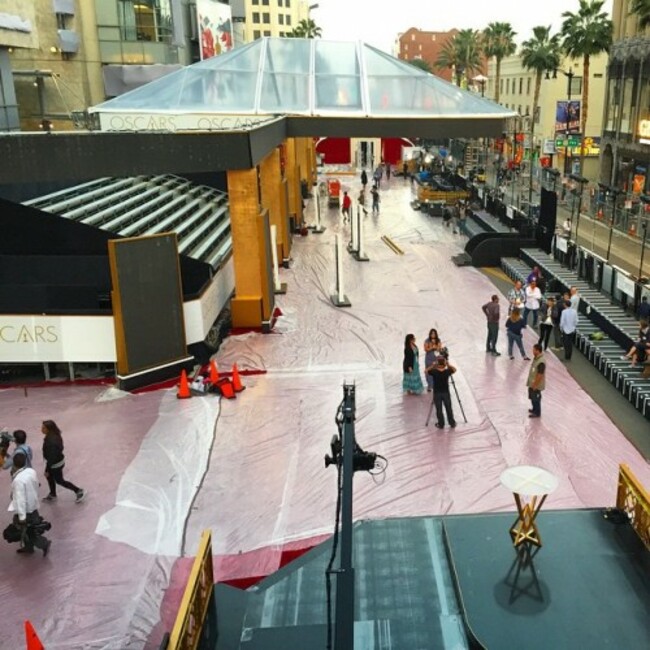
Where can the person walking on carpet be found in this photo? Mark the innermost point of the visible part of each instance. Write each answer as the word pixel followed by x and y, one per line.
pixel 55 462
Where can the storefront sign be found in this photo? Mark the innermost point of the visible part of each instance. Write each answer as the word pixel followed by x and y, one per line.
pixel 625 284
pixel 567 117
pixel 592 147
pixel 549 147
pixel 644 131
pixel 178 122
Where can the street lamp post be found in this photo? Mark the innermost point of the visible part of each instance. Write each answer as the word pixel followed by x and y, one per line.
pixel 481 80
pixel 581 183
pixel 569 74
pixel 613 193
pixel 644 225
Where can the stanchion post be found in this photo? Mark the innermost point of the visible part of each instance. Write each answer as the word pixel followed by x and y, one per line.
pixel 361 255
pixel 278 287
pixel 339 298
pixel 318 230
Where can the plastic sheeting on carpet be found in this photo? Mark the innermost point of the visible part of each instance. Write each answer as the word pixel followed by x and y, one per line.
pixel 157 489
pixel 263 487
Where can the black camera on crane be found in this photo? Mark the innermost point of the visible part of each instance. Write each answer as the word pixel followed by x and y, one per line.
pixel 363 461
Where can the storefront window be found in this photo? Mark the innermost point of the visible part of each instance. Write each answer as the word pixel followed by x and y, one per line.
pixel 627 106
pixel 643 117
pixel 612 104
pixel 145 20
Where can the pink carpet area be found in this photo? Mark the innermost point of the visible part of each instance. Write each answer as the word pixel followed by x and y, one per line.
pixel 159 471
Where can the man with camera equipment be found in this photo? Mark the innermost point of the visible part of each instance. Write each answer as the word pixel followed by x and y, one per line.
pixel 24 502
pixel 536 381
pixel 20 438
pixel 441 371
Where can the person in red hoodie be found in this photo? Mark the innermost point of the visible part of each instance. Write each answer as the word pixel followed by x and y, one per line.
pixel 347 203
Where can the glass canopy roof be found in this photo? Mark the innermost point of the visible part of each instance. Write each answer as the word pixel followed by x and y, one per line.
pixel 307 77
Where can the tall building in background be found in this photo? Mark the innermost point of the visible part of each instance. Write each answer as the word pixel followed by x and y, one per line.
pixel 517 88
pixel 77 53
pixel 626 124
pixel 274 17
pixel 417 44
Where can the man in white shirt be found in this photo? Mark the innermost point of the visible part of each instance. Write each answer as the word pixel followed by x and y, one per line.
pixel 24 502
pixel 533 298
pixel 575 298
pixel 568 324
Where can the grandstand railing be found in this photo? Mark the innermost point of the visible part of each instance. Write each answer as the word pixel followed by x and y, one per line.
pixel 635 501
pixel 188 628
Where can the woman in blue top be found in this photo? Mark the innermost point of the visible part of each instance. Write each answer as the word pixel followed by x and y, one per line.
pixel 411 381
pixel 515 324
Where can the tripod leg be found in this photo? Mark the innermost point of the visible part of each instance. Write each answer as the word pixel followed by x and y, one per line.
pixel 426 424
pixel 460 404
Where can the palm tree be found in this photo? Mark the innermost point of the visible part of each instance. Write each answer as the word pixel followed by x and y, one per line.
pixel 586 33
pixel 539 54
pixel 306 28
pixel 498 42
pixel 420 63
pixel 462 54
pixel 642 9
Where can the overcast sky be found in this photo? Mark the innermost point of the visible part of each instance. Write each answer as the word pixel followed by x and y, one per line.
pixel 378 22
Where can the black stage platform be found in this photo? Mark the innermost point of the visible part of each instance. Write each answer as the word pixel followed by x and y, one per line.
pixel 588 587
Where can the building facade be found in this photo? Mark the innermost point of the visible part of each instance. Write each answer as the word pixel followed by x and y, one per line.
pixel 418 44
pixel 273 17
pixel 17 32
pixel 80 52
pixel 517 88
pixel 626 128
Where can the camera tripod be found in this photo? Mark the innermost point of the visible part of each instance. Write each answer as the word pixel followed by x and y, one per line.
pixel 460 404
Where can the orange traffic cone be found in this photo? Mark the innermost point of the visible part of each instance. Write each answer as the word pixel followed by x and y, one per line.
pixel 600 213
pixel 236 381
pixel 226 388
pixel 184 388
pixel 214 373
pixel 33 642
pixel 632 231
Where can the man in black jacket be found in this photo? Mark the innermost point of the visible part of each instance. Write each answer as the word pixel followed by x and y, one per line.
pixel 441 371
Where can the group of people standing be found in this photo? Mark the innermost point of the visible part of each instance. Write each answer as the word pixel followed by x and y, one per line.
pixel 550 315
pixel 25 484
pixel 437 373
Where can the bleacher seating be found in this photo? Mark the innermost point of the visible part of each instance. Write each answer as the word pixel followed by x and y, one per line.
pixel 480 222
pixel 595 310
pixel 147 205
